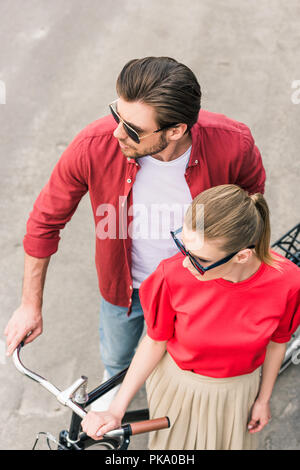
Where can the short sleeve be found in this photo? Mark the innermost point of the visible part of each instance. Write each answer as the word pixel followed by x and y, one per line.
pixel 290 321
pixel 251 173
pixel 156 304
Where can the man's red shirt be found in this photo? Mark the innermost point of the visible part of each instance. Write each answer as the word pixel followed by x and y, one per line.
pixel 223 152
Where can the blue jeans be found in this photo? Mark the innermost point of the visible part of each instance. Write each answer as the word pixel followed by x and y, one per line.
pixel 120 334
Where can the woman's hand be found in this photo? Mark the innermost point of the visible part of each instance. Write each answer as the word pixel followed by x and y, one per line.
pixel 260 416
pixel 97 423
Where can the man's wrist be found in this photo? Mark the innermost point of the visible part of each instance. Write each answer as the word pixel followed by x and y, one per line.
pixel 35 303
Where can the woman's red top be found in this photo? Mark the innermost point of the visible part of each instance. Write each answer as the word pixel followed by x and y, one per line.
pixel 218 328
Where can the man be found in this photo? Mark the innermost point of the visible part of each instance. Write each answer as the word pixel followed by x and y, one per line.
pixel 142 166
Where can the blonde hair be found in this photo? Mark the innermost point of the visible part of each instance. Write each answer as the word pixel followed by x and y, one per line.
pixel 236 217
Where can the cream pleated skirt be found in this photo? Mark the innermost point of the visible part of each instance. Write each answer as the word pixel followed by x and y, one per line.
pixel 205 412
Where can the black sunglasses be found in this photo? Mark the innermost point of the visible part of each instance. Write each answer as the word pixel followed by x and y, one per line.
pixel 201 269
pixel 129 130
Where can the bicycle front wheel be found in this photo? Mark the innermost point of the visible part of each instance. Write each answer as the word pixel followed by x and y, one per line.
pixel 97 445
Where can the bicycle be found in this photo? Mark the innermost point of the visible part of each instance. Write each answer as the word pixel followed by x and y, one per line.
pixel 289 246
pixel 77 399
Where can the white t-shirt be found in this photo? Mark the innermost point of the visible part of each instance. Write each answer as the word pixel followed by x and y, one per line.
pixel 161 197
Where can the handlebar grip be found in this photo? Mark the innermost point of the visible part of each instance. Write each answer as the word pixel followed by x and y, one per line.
pixel 149 425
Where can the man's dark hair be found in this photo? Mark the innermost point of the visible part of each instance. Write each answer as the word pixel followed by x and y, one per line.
pixel 167 85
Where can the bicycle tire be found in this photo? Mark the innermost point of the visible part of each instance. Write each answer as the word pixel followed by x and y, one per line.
pixel 97 445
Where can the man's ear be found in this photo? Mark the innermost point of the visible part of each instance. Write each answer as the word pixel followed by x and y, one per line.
pixel 176 132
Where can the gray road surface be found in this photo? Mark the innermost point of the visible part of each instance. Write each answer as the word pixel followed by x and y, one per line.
pixel 58 63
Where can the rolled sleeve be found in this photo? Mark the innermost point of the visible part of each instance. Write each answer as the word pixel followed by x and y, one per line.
pixel 156 303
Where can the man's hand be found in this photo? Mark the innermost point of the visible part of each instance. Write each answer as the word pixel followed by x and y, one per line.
pixel 97 423
pixel 260 416
pixel 25 324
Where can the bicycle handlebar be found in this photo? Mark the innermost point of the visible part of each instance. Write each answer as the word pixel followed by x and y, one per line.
pixel 65 398
pixel 149 425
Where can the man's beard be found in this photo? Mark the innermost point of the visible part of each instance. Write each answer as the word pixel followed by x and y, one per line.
pixel 159 147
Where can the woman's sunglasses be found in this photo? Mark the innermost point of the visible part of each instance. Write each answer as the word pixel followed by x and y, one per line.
pixel 201 269
pixel 128 129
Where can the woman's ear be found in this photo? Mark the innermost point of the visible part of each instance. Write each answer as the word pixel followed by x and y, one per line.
pixel 244 255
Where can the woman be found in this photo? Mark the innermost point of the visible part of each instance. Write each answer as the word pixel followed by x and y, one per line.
pixel 215 313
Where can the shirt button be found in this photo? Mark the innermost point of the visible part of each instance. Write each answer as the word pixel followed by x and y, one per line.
pixel 129 180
